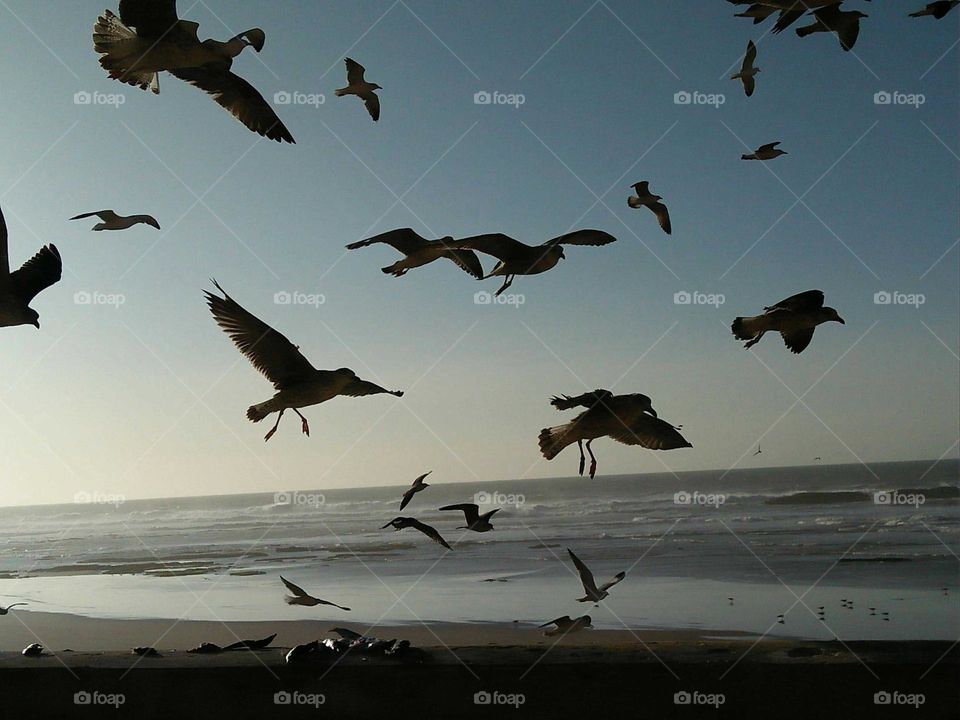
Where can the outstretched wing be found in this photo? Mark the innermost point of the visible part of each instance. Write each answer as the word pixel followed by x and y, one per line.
pixel 37 274
pixel 586 577
pixel 151 18
pixel 105 215
pixel 467 261
pixel 750 56
pixel 787 18
pixel 346 633
pixel 651 433
pixel 295 589
pixel 406 240
pixel 4 253
pixel 564 619
pixel 587 400
pixel 269 351
pixel 583 237
pixel 797 340
pixel 431 532
pixel 470 511
pixel 372 102
pixel 354 72
pixel 616 578
pixel 768 146
pixel 663 216
pixel 801 302
pixel 496 244
pixel 358 388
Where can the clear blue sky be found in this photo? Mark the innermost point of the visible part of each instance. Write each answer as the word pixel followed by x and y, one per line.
pixel 148 399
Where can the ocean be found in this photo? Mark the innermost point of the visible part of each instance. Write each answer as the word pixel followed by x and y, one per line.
pixel 776 540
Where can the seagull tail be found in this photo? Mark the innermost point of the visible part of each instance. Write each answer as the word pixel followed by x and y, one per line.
pixel 256 413
pixel 808 30
pixel 745 328
pixel 555 439
pixel 120 50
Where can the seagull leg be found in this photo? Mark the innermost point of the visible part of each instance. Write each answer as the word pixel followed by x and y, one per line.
pixel 304 425
pixel 593 460
pixel 754 340
pixel 583 459
pixel 506 283
pixel 274 428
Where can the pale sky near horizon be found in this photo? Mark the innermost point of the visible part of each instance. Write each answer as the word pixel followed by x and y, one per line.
pixel 148 399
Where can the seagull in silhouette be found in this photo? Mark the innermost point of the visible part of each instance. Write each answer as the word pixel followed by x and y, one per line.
pixel 795 318
pixel 364 90
pixel 644 198
pixel 32 650
pixel 593 593
pixel 758 451
pixel 846 25
pixel 937 9
pixel 628 419
pixel 416 487
pixel 765 152
pixel 475 521
pixel 399 523
pixel 419 251
pixel 8 608
pixel 19 288
pixel 517 258
pixel 109 220
pixel 747 69
pixel 148 38
pixel 297 382
pixel 566 624
pixel 302 597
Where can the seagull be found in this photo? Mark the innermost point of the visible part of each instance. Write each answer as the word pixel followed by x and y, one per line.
pixel 831 18
pixel 747 70
pixel 731 600
pixel 794 318
pixel 644 198
pixel 18 288
pixel 399 523
pixel 629 419
pixel 32 650
pixel 112 221
pixel 420 251
pixel 780 619
pixel 475 521
pixel 148 38
pixel 758 451
pixel 937 9
pixel 517 258
pixel 301 597
pixel 566 625
pixel 818 458
pixel 364 90
pixel 765 152
pixel 592 592
pixel 297 382
pixel 417 486
pixel 8 608
pixel 301 652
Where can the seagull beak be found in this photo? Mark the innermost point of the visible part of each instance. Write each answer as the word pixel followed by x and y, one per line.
pixel 840 320
pixel 36 324
pixel 386 526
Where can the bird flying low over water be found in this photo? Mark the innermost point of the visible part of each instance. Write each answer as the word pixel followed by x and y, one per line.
pixel 475 521
pixel 302 597
pixel 566 624
pixel 517 258
pixel 297 382
pixel 149 38
pixel 399 523
pixel 644 198
pixel 794 318
pixel 109 220
pixel 416 487
pixel 846 25
pixel 747 69
pixel 629 419
pixel 364 90
pixel 19 288
pixel 592 592
pixel 938 9
pixel 420 251
pixel 765 152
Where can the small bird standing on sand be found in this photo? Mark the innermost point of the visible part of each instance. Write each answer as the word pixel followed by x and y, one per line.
pixel 419 251
pixel 19 288
pixel 301 597
pixel 795 318
pixel 846 25
pixel 364 90
pixel 938 9
pixel 644 198
pixel 747 69
pixel 8 608
pixel 111 221
pixel 565 625
pixel 765 152
pixel 475 521
pixel 593 593
pixel 417 486
pixel 399 523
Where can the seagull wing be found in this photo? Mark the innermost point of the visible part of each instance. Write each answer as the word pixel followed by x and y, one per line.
pixel 467 261
pixel 346 633
pixel 616 578
pixel 797 340
pixel 471 512
pixel 642 188
pixel 750 56
pixel 269 351
pixel 498 245
pixel 420 479
pixel 105 215
pixel 582 237
pixel 239 98
pixel 651 433
pixel 586 577
pixel 358 388
pixel 354 72
pixel 788 18
pixel 372 102
pixel 406 240
pixel 407 496
pixel 4 252
pixel 37 274
pixel 801 302
pixel 431 532
pixel 663 215
pixel 848 33
pixel 587 400
pixel 296 589
pixel 768 146
pixel 151 18
pixel 749 83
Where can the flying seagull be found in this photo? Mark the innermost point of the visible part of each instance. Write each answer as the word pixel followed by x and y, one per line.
pixel 747 69
pixel 297 382
pixel 566 625
pixel 644 198
pixel 364 90
pixel 111 221
pixel 517 258
pixel 399 523
pixel 629 419
pixel 420 251
pixel 846 25
pixel 758 451
pixel 148 38
pixel 794 318
pixel 593 593
pixel 475 521
pixel 19 288
pixel 416 487
pixel 789 10
pixel 302 597
pixel 765 152
pixel 8 608
pixel 938 9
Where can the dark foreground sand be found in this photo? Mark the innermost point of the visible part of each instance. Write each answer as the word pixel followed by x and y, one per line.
pixel 613 673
